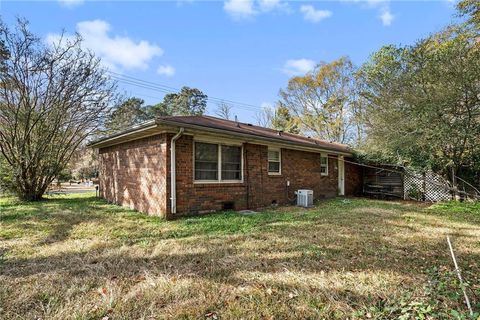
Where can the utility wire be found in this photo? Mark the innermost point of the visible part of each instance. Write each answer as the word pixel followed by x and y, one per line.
pixel 166 92
pixel 126 79
pixel 140 85
pixel 172 89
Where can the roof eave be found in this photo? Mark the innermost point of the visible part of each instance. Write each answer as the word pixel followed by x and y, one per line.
pixel 151 124
pixel 157 126
pixel 257 137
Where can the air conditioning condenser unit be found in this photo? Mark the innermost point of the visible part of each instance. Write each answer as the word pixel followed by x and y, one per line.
pixel 305 198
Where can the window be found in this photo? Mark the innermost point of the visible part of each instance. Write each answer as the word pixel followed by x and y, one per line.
pixel 274 159
pixel 215 162
pixel 231 163
pixel 324 164
pixel 206 161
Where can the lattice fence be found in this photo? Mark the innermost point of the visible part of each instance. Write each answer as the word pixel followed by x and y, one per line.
pixel 428 186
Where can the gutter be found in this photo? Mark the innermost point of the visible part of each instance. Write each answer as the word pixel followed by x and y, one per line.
pixel 173 172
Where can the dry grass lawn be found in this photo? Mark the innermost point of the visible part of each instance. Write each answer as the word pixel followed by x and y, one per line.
pixel 77 257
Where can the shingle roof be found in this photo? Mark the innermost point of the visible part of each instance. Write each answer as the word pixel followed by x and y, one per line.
pixel 249 129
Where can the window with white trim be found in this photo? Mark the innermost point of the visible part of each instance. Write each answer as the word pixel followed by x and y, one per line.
pixel 274 161
pixel 216 162
pixel 324 164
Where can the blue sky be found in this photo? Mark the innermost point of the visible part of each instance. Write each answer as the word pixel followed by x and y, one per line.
pixel 241 50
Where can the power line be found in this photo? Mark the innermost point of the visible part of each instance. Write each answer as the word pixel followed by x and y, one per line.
pixel 141 85
pixel 137 79
pixel 210 99
pixel 166 92
pixel 167 89
pixel 172 89
pixel 146 87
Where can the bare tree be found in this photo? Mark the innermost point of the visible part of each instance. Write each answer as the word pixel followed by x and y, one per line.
pixel 52 97
pixel 265 116
pixel 224 110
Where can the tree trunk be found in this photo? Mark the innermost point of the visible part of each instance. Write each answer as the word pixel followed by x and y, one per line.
pixel 31 192
pixel 31 195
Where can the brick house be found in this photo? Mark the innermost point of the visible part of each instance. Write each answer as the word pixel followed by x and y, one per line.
pixel 174 166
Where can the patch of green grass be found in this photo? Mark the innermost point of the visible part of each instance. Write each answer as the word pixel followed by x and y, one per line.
pixel 78 257
pixel 468 212
pixel 455 207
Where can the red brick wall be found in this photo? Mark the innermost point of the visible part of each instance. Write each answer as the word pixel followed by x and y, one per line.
pixel 353 178
pixel 133 174
pixel 137 174
pixel 199 198
pixel 259 189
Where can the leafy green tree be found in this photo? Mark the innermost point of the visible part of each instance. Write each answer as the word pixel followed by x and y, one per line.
pixel 323 101
pixel 161 109
pixel 187 102
pixel 128 113
pixel 282 120
pixel 470 9
pixel 64 176
pixel 423 101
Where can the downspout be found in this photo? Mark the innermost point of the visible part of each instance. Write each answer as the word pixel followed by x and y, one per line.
pixel 173 172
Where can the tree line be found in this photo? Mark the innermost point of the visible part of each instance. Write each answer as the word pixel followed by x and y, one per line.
pixel 415 105
pixel 187 102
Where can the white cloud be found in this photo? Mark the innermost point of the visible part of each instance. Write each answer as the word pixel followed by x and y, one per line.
pixel 239 9
pixel 71 3
pixel 313 15
pixel 166 70
pixel 244 9
pixel 383 7
pixel 298 67
pixel 115 51
pixel 387 17
pixel 270 5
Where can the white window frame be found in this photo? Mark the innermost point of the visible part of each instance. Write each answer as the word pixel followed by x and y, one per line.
pixel 219 167
pixel 323 155
pixel 279 173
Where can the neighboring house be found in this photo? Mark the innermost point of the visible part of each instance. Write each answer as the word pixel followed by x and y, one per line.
pixel 175 166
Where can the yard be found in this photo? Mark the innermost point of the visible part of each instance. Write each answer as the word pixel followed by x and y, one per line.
pixel 77 257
